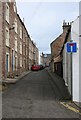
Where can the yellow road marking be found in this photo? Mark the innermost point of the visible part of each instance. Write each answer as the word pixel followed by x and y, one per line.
pixel 70 107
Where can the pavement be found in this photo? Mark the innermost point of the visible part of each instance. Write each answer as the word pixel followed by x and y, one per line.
pixel 4 83
pixel 63 89
pixel 60 84
pixel 78 104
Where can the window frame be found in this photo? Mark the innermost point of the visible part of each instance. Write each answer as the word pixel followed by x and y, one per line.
pixel 7 13
pixel 7 37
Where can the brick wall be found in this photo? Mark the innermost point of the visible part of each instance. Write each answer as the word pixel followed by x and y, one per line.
pixel 15 68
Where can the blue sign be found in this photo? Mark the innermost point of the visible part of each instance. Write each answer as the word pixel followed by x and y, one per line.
pixel 71 47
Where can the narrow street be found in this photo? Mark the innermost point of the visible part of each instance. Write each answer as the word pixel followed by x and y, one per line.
pixel 34 97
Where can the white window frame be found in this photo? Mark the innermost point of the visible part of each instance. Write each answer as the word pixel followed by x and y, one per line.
pixel 21 32
pixel 8 61
pixel 20 61
pixel 16 44
pixel 14 6
pixel 7 13
pixel 7 36
pixel 15 23
pixel 20 47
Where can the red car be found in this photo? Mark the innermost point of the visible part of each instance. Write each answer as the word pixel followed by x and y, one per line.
pixel 35 67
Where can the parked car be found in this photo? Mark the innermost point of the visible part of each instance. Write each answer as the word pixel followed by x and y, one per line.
pixel 35 67
pixel 41 67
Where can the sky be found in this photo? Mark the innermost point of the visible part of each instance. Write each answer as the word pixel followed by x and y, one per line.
pixel 44 20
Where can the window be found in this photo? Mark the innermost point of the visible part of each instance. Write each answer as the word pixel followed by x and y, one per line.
pixel 7 62
pixel 15 23
pixel 7 36
pixel 20 61
pixel 9 0
pixel 16 63
pixel 20 47
pixel 12 60
pixel 24 63
pixel 26 51
pixel 7 13
pixel 14 6
pixel 15 44
pixel 20 32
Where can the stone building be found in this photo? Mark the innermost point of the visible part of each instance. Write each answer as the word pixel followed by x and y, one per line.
pixel 23 46
pixel 57 47
pixel 33 54
pixel 63 61
pixel 41 58
pixel 14 42
pixel 70 61
pixel 36 56
pixel 45 59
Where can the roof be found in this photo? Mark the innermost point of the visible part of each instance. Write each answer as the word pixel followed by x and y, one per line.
pixel 55 40
pixel 23 24
pixel 57 45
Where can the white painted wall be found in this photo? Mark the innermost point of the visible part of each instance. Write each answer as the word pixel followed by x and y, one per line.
pixel 67 69
pixel 75 61
pixel 80 52
pixel 80 63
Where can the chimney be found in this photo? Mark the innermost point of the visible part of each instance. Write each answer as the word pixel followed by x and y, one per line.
pixel 66 26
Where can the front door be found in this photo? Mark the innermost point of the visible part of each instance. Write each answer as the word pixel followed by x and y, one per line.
pixel 7 63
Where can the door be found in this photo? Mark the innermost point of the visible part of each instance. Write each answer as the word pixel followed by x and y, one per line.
pixel 7 63
pixel 12 60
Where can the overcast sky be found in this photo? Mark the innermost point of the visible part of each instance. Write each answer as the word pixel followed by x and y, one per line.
pixel 44 20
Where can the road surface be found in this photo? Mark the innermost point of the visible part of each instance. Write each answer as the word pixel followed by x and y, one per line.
pixel 34 97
